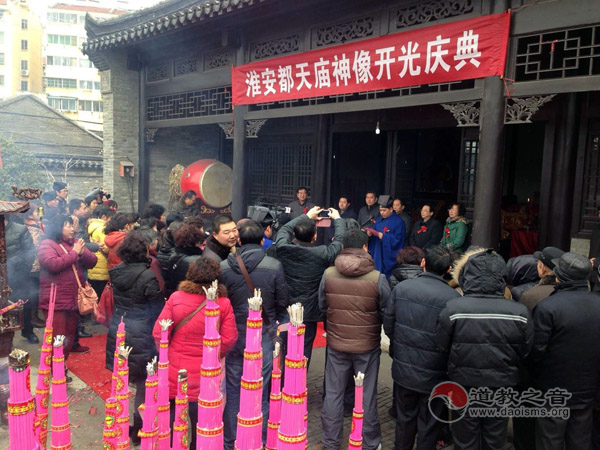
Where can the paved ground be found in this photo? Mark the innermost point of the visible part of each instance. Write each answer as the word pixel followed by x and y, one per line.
pixel 87 409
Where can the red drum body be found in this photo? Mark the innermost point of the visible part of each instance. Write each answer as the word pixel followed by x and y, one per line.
pixel 211 180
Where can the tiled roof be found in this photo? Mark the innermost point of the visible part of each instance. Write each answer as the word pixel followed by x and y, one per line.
pixel 166 16
pixel 90 9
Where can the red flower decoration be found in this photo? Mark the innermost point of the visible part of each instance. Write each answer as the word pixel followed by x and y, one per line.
pixel 373 220
pixel 447 233
pixel 385 229
pixel 423 229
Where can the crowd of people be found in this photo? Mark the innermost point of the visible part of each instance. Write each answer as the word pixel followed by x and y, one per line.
pixel 453 312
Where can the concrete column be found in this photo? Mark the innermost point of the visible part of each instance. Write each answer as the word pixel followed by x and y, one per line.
pixel 488 182
pixel 120 92
pixel 239 203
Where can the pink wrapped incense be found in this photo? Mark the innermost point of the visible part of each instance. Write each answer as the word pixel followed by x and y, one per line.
pixel 209 430
pixel 274 400
pixel 355 441
pixel 12 306
pixel 111 432
pixel 249 422
pixel 20 404
pixel 42 391
pixel 121 371
pixel 164 420
pixel 119 341
pixel 61 427
pixel 181 425
pixel 292 429
pixel 149 410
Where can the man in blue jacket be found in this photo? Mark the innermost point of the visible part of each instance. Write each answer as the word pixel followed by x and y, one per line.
pixel 387 236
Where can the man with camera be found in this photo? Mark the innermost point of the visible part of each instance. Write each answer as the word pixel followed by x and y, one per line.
pixel 304 263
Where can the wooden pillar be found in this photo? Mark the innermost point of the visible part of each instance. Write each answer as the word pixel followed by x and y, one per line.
pixel 562 186
pixel 322 155
pixel 239 197
pixel 144 169
pixel 488 184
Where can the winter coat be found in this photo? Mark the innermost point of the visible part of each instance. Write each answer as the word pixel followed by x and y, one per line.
pixel 185 348
pixel 36 232
pixel 20 255
pixel 454 235
pixel 404 272
pixel 55 267
pixel 167 246
pixel 179 263
pixel 522 274
pixel 215 251
pixel 406 217
pixel 418 363
pixel 539 292
pixel 113 241
pixel 565 352
pixel 267 275
pixel 298 209
pixel 139 300
pixel 367 215
pixel 354 297
pixel 96 231
pixel 185 210
pixel 484 316
pixel 155 267
pixel 304 264
pixel 426 234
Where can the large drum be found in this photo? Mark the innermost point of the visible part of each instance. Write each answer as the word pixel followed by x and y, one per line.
pixel 211 180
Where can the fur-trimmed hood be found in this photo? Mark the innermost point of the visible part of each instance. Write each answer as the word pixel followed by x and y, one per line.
pixel 457 219
pixel 480 271
pixel 196 288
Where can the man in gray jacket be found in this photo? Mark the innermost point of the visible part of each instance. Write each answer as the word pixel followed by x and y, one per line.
pixel 304 264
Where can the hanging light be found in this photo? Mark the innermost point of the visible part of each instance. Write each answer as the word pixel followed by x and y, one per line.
pixel 377 130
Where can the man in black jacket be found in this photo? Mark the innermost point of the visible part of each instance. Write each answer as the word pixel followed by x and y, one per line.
pixel 418 365
pixel 223 238
pixel 483 316
pixel 266 274
pixel 566 354
pixel 304 264
pixel 426 232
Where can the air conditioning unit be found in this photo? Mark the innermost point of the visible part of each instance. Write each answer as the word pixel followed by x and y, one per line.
pixel 24 73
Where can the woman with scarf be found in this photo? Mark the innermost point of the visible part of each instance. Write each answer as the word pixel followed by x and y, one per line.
pixel 455 229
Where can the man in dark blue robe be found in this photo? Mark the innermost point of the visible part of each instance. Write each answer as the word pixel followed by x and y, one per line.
pixel 387 237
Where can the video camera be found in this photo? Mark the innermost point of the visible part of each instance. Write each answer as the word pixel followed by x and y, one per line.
pixel 268 214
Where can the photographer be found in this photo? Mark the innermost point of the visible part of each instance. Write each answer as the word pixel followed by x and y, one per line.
pixel 304 264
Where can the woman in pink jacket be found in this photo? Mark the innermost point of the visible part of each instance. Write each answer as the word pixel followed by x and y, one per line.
pixel 185 352
pixel 58 253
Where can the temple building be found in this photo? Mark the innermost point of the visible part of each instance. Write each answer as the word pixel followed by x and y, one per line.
pixel 521 151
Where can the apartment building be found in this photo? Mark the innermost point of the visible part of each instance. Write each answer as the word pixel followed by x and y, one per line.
pixel 20 48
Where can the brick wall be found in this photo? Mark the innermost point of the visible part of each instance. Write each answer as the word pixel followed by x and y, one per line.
pixel 178 145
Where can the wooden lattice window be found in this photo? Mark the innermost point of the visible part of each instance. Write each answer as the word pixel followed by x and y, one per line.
pixel 278 165
pixel 591 184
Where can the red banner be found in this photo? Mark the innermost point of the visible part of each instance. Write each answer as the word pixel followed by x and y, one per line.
pixel 472 48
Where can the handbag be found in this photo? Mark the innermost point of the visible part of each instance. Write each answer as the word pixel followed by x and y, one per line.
pixel 87 299
pixel 106 306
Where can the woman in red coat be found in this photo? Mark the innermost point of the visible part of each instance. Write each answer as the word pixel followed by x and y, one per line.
pixel 58 253
pixel 115 232
pixel 185 352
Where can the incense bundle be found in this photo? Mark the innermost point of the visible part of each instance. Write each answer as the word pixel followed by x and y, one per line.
pixel 149 410
pixel 119 341
pixel 20 403
pixel 209 430
pixel 250 419
pixel 355 441
pixel 292 430
pixel 111 432
pixel 42 391
pixel 181 425
pixel 12 306
pixel 121 371
pixel 274 400
pixel 164 407
pixel 61 427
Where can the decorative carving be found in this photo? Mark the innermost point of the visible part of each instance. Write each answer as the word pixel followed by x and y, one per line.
pixel 466 114
pixel 421 12
pixel 157 73
pixel 185 66
pixel 105 83
pixel 253 127
pixel 206 102
pixel 227 129
pixel 150 133
pixel 276 47
pixel 521 110
pixel 344 32
pixel 218 59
